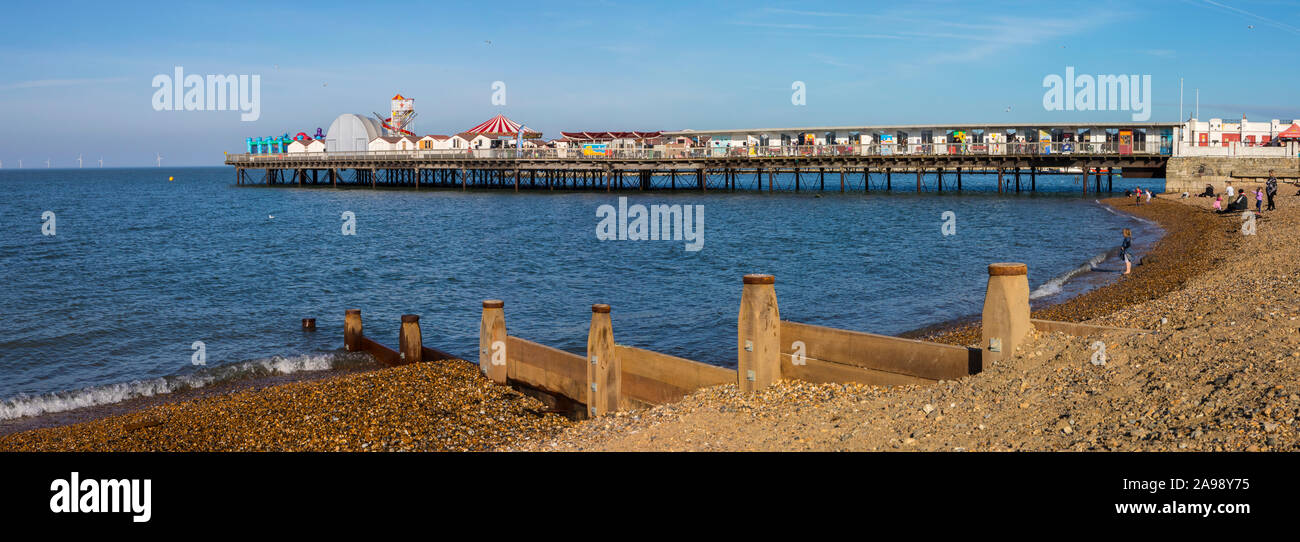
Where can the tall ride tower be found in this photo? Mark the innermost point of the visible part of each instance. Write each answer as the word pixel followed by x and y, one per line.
pixel 401 115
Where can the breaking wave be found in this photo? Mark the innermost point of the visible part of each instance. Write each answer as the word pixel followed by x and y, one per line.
pixel 35 405
pixel 1055 284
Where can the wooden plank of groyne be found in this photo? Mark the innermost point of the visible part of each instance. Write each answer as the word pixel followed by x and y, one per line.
pixel 384 354
pixel 879 352
pixel 652 377
pixel 1077 329
pixel 549 369
pixel 820 371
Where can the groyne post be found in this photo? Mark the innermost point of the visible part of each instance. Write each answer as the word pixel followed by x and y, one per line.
pixel 1006 311
pixel 409 343
pixel 604 372
pixel 309 324
pixel 758 334
pixel 352 330
pixel 492 357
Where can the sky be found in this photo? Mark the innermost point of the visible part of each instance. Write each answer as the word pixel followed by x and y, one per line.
pixel 77 78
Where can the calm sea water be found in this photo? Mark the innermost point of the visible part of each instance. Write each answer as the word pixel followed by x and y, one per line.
pixel 140 268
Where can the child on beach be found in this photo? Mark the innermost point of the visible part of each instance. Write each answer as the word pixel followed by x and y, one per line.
pixel 1259 200
pixel 1218 202
pixel 1123 251
pixel 1138 191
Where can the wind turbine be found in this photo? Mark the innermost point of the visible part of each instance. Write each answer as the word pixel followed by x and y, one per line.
pixel 101 162
pixel 78 161
pixel 20 163
pixel 159 158
pixel 47 163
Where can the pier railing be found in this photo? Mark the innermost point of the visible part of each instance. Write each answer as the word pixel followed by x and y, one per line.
pixel 669 152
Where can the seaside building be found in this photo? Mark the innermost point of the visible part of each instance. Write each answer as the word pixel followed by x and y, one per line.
pixel 352 133
pixel 393 143
pixel 1218 132
pixel 307 145
pixel 434 142
pixel 616 140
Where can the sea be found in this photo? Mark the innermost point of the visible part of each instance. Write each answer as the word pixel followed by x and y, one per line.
pixel 128 283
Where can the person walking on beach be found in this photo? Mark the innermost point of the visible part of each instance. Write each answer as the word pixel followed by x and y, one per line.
pixel 1270 189
pixel 1231 191
pixel 1123 251
pixel 1138 190
pixel 1148 196
pixel 1218 203
pixel 1259 199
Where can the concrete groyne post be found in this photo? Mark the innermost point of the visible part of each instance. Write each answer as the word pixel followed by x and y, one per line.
pixel 409 343
pixel 352 330
pixel 604 372
pixel 492 358
pixel 1006 311
pixel 758 334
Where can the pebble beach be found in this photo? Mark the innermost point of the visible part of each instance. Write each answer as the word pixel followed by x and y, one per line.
pixel 1217 372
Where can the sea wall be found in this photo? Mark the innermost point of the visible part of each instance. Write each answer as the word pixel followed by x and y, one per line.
pixel 1192 173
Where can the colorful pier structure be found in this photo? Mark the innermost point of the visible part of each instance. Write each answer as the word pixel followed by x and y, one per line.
pixel 894 157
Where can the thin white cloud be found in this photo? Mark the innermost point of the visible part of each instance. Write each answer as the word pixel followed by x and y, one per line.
pixel 41 83
pixel 1266 20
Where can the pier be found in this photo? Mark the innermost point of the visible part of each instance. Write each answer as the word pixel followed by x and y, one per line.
pixel 923 163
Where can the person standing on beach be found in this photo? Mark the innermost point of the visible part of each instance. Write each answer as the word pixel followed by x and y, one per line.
pixel 1259 199
pixel 1218 202
pixel 1231 192
pixel 1123 251
pixel 1270 188
pixel 1139 195
pixel 1148 196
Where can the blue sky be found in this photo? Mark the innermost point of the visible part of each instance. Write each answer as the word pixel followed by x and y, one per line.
pixel 76 77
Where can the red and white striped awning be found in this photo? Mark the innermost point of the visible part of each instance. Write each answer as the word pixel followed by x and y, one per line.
pixel 501 126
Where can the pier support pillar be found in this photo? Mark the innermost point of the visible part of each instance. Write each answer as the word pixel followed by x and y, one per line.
pixel 841 180
pixel 959 179
pixel 352 330
pixel 758 334
pixel 409 343
pixel 492 341
pixel 604 372
pixel 1033 179
pixel 919 170
pixel 889 179
pixel 1006 311
pixel 999 180
pixel 1017 179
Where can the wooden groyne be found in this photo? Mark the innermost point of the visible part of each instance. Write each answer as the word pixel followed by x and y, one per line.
pixel 613 377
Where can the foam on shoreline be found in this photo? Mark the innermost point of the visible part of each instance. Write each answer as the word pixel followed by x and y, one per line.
pixel 25 405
